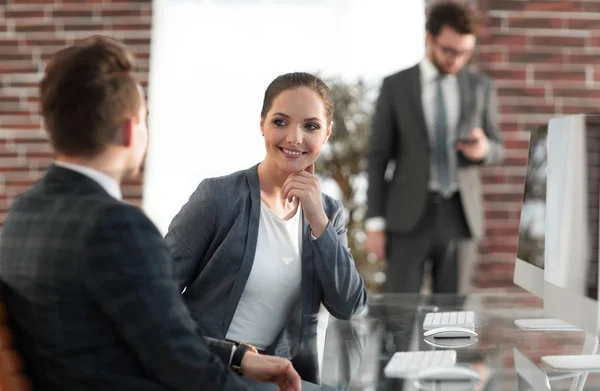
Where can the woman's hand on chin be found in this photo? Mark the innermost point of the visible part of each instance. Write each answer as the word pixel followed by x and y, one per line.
pixel 306 187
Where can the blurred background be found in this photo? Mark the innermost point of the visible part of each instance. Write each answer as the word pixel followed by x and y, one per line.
pixel 206 64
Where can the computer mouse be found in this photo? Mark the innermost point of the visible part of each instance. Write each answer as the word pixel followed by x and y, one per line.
pixel 450 332
pixel 448 373
pixel 451 343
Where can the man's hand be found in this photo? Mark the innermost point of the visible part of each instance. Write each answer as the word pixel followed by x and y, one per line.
pixel 271 369
pixel 478 149
pixel 375 244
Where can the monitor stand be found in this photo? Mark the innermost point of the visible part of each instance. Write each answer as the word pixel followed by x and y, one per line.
pixel 544 324
pixel 587 361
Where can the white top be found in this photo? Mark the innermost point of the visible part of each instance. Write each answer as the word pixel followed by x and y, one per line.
pixel 451 91
pixel 109 184
pixel 274 282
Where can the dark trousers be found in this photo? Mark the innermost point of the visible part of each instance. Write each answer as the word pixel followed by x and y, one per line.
pixel 435 238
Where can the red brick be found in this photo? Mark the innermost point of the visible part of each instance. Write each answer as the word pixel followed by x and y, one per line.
pixel 516 144
pixel 506 5
pixel 577 42
pixel 534 22
pixel 9 43
pixel 528 57
pixel 72 12
pixel 555 5
pixel 33 1
pixel 489 56
pixel 17 67
pixel 509 127
pixel 583 59
pixel 31 19
pixel 567 110
pixel 35 27
pixel 492 21
pixel 564 75
pixel 91 27
pixel 90 2
pixel 51 41
pixel 106 12
pixel 505 39
pixel 520 108
pixel 133 2
pixel 587 24
pixel 591 6
pixel 131 26
pixel 595 41
pixel 136 41
pixel 507 74
pixel 29 13
pixel 12 56
pixel 577 93
pixel 534 92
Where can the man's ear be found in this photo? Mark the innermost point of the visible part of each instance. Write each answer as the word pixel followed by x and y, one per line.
pixel 428 39
pixel 125 135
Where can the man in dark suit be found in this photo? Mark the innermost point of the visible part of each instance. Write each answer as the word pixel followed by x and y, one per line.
pixel 437 121
pixel 87 279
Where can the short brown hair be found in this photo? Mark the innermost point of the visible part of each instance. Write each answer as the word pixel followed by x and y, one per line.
pixel 86 91
pixel 453 15
pixel 290 81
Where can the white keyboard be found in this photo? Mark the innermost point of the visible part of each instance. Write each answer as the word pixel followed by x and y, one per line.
pixel 464 319
pixel 409 364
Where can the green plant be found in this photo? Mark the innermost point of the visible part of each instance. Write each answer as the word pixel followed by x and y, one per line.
pixel 343 161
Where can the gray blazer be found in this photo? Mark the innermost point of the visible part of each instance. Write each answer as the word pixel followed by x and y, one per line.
pixel 399 134
pixel 213 240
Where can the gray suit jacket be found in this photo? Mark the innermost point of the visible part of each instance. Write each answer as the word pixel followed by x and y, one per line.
pixel 213 240
pixel 399 134
pixel 88 284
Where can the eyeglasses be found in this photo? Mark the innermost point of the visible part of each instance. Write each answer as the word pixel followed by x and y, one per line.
pixel 449 52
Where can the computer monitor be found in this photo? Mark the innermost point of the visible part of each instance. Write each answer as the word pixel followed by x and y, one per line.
pixel 529 264
pixel 572 222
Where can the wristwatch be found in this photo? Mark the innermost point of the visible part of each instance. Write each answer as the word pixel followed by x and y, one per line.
pixel 240 350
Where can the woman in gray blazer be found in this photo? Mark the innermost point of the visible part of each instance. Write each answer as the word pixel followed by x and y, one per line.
pixel 257 251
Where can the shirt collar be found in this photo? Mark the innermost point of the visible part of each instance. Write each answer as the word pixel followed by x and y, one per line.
pixel 428 71
pixel 109 184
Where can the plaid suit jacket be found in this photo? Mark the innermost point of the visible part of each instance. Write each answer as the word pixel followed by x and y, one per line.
pixel 88 283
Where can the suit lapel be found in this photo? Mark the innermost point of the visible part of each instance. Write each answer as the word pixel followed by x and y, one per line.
pixel 466 103
pixel 250 249
pixel 417 101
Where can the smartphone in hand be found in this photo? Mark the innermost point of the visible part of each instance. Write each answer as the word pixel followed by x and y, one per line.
pixel 467 140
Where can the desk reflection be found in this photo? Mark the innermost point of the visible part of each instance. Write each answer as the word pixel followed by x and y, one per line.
pixel 357 351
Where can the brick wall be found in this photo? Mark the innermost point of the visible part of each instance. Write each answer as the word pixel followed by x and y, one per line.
pixel 30 31
pixel 542 54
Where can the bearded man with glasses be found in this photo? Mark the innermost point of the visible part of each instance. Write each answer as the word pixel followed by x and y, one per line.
pixel 437 122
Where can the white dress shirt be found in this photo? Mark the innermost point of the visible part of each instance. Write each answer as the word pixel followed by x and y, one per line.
pixel 451 92
pixel 109 184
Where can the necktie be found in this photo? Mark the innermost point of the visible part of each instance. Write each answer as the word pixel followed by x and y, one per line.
pixel 441 140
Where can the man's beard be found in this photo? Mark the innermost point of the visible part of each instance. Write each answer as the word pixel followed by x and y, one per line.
pixel 437 65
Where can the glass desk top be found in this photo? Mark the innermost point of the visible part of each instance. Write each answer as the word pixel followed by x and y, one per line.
pixel 357 351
